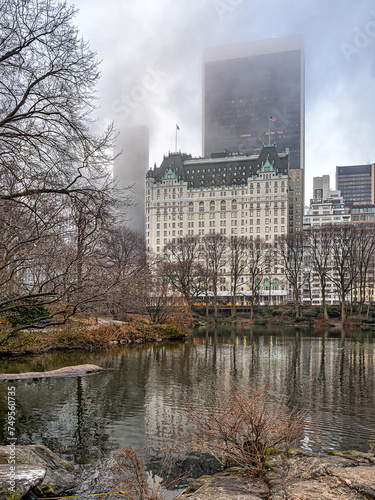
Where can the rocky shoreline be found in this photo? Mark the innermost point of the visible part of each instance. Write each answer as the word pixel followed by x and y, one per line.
pixel 301 475
pixel 37 470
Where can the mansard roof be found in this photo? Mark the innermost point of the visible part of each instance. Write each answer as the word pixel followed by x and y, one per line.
pixel 221 169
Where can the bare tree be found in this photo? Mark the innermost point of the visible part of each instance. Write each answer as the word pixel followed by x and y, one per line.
pixel 290 249
pixel 237 261
pixel 256 269
pixel 215 257
pixel 364 253
pixel 124 255
pixel 344 271
pixel 153 294
pixel 319 241
pixel 181 266
pixel 55 175
pixel 47 77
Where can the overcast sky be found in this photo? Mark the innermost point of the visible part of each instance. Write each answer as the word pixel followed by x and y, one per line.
pixel 151 52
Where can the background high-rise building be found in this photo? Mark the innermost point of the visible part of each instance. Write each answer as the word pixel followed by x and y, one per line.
pixel 357 184
pixel 321 187
pixel 245 85
pixel 130 170
pixel 253 94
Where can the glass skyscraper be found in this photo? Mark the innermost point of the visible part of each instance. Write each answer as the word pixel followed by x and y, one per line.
pixel 254 94
pixel 253 90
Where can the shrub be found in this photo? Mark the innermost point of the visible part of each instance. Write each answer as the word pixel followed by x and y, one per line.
pixel 237 427
pixel 23 313
pixel 170 330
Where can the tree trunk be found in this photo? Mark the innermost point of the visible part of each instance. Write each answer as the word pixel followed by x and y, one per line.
pixel 234 307
pixel 214 287
pixel 296 298
pixel 343 307
pixel 325 312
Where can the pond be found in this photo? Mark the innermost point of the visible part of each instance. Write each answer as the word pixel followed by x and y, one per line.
pixel 136 402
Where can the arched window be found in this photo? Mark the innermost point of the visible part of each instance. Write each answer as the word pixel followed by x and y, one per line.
pixel 266 284
pixel 223 205
pixel 191 207
pixel 275 284
pixel 234 204
pixel 201 206
pixel 212 206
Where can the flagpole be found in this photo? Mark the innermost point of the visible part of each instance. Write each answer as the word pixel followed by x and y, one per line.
pixel 269 131
pixel 177 129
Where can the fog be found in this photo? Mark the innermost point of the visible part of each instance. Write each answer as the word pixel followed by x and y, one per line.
pixel 151 67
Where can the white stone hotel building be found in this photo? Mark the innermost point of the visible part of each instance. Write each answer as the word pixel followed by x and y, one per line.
pixel 253 196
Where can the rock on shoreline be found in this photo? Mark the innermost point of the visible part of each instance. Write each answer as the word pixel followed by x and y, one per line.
pixel 37 469
pixel 299 476
pixel 68 371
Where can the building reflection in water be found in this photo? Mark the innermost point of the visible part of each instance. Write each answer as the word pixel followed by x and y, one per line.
pixel 136 402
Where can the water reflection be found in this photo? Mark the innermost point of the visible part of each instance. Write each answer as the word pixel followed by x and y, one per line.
pixel 136 401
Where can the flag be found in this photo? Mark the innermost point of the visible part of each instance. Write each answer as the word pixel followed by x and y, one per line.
pixel 272 119
pixel 177 127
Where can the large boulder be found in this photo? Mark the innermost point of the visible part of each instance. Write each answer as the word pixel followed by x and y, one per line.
pixel 338 475
pixel 232 484
pixel 14 485
pixel 37 469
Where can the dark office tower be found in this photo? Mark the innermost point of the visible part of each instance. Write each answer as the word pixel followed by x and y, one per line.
pixel 357 184
pixel 130 170
pixel 254 95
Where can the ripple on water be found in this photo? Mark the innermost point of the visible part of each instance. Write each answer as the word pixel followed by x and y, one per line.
pixel 137 403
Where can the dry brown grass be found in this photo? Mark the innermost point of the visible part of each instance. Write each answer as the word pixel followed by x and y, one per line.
pixel 131 480
pixel 80 336
pixel 240 428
